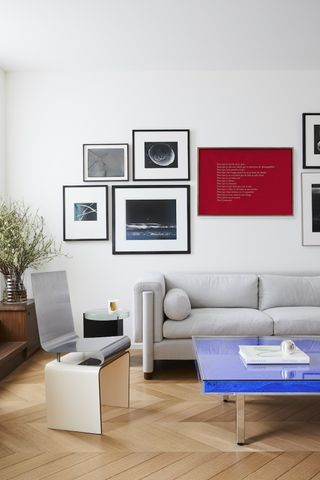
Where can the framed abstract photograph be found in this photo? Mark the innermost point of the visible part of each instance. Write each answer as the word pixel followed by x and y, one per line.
pixel 245 181
pixel 310 208
pixel 311 140
pixel 106 163
pixel 161 154
pixel 85 212
pixel 151 219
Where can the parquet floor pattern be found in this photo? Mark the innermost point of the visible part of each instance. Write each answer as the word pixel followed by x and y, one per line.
pixel 171 431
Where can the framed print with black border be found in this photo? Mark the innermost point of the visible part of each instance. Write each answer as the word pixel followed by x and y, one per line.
pixel 311 140
pixel 85 212
pixel 151 219
pixel 106 162
pixel 310 187
pixel 161 155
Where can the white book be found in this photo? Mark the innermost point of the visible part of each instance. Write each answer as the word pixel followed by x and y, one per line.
pixel 258 354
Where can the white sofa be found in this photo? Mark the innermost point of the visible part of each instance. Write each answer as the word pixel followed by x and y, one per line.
pixel 222 305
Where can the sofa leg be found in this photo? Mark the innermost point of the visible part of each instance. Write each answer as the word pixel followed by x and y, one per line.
pixel 148 375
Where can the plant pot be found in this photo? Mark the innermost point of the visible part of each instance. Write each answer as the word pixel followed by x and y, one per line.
pixel 14 291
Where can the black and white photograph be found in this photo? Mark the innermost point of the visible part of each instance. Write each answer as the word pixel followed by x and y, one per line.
pixel 310 208
pixel 316 139
pixel 85 212
pixel 161 155
pixel 311 140
pixel 315 189
pixel 151 219
pixel 105 162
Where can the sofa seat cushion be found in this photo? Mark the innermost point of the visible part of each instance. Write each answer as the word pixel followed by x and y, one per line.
pixel 295 320
pixel 220 321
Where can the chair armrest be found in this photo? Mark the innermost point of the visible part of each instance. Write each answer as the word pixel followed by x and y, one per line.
pixel 155 283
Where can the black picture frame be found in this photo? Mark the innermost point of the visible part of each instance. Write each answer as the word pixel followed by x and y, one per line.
pixel 132 204
pixel 161 155
pixel 110 155
pixel 85 212
pixel 311 140
pixel 310 192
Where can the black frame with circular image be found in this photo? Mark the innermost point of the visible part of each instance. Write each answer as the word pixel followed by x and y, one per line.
pixel 160 155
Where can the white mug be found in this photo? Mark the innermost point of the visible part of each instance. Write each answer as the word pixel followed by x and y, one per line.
pixel 287 347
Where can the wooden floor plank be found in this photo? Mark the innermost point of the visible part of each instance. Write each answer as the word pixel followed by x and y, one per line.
pixel 171 431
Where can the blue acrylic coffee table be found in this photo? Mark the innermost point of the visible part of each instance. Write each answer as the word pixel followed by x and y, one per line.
pixel 222 371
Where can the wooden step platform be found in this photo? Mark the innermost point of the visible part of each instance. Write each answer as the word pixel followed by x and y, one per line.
pixel 12 354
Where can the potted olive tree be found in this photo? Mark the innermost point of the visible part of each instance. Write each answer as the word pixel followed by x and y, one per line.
pixel 23 244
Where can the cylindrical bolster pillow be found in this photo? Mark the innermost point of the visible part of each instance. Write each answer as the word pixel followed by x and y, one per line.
pixel 177 305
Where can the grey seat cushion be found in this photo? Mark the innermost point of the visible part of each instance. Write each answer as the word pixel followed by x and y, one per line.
pixel 220 321
pixel 295 320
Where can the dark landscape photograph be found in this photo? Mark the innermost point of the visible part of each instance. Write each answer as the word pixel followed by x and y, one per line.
pixel 151 220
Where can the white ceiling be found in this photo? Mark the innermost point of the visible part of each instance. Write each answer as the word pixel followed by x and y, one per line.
pixel 159 34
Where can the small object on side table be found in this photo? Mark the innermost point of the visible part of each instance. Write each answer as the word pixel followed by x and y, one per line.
pixel 101 323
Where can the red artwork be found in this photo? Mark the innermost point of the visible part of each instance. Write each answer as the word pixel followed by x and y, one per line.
pixel 245 181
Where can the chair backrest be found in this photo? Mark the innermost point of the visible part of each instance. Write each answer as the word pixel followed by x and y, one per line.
pixel 53 307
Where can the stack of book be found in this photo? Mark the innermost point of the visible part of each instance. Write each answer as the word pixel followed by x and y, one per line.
pixel 261 354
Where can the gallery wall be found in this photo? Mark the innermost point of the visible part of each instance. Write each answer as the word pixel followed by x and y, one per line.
pixel 50 117
pixel 2 133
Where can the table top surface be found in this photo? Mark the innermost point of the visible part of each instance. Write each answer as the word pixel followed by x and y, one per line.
pixel 218 359
pixel 102 314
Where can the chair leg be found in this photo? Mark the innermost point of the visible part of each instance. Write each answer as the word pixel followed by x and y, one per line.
pixel 114 382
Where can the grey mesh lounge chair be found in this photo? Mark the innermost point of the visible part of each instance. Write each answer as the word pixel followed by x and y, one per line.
pixel 93 372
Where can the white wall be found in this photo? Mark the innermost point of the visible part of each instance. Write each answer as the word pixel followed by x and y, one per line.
pixel 2 133
pixel 50 116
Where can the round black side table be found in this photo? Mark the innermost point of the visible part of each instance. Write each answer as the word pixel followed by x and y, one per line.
pixel 101 323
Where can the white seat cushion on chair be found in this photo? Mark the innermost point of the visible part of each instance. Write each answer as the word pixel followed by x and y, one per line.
pixel 220 321
pixel 295 320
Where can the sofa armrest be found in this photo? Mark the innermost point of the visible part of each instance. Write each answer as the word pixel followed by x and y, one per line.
pixel 155 283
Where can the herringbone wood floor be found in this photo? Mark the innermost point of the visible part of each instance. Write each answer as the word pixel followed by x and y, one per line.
pixel 171 431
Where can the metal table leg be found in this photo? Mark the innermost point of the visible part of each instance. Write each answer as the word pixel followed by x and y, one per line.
pixel 240 420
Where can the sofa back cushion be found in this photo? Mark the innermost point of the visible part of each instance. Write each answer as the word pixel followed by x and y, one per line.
pixel 288 291
pixel 206 290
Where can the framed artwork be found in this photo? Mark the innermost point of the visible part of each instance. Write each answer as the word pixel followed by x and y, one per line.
pixel 161 154
pixel 245 181
pixel 310 208
pixel 105 163
pixel 311 140
pixel 151 219
pixel 85 212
